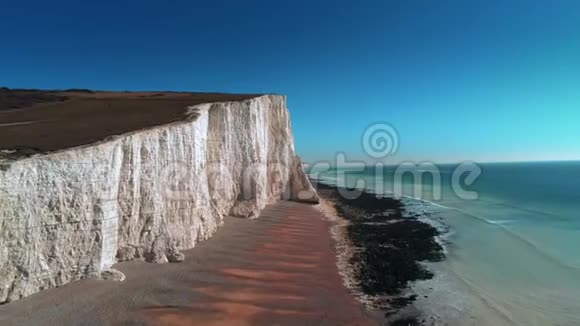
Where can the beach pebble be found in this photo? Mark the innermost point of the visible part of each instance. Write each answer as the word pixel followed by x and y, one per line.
pixel 112 275
pixel 176 257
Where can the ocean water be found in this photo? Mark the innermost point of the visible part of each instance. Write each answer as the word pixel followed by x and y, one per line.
pixel 513 254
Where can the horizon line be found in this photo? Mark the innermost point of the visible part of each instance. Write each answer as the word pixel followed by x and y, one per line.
pixel 459 162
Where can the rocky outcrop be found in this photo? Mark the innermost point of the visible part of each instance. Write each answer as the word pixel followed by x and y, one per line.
pixel 145 195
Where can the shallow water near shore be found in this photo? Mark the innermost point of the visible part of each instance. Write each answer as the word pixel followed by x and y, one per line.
pixel 512 254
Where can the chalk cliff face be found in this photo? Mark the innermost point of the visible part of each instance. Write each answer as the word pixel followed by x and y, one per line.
pixel 143 195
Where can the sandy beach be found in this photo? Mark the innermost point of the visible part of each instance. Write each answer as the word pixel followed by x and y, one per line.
pixel 277 269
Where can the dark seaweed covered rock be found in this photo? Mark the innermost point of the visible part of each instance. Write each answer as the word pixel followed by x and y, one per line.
pixel 364 205
pixel 405 322
pixel 390 247
pixel 416 239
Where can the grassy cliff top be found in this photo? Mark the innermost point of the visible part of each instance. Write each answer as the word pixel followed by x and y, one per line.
pixel 33 121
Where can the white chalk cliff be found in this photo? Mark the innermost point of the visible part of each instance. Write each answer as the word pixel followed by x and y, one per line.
pixel 147 194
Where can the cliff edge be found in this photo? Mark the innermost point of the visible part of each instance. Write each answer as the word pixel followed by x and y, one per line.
pixel 74 210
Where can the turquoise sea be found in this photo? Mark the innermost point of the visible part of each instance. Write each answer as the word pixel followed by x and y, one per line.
pixel 513 254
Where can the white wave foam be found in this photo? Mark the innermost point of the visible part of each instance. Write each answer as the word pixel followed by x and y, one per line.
pixel 502 225
pixel 427 201
pixel 500 222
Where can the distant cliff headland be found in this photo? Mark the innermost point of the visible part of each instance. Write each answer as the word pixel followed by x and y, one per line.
pixel 88 178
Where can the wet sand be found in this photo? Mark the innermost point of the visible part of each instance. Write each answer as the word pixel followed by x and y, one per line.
pixel 279 269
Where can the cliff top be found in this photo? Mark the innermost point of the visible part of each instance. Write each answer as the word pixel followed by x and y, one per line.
pixel 34 121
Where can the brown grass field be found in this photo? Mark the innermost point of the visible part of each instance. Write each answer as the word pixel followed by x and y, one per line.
pixel 34 121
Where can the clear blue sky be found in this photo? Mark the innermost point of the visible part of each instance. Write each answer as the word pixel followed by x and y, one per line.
pixel 480 80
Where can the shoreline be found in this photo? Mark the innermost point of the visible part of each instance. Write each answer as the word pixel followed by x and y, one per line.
pixel 382 246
